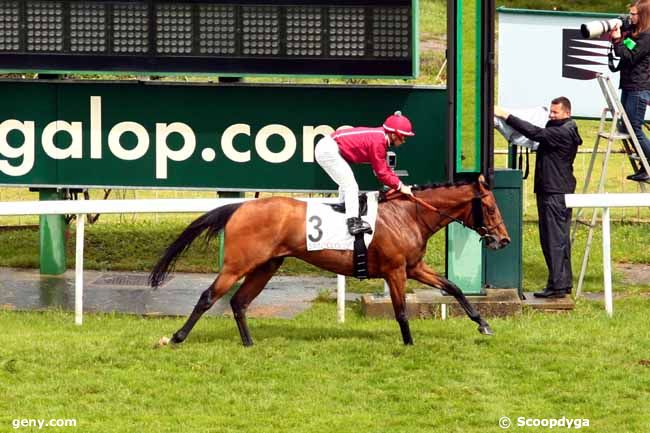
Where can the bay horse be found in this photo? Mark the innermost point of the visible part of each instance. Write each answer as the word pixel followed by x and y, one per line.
pixel 261 233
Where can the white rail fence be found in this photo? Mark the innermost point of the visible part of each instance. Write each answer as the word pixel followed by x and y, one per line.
pixel 83 207
pixel 619 168
pixel 605 202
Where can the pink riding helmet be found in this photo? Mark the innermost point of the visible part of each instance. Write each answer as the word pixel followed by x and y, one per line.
pixel 399 124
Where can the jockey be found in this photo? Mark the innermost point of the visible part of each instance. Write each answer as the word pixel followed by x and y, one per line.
pixel 335 152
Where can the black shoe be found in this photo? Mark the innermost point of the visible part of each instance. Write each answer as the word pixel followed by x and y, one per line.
pixel 357 225
pixel 552 293
pixel 640 176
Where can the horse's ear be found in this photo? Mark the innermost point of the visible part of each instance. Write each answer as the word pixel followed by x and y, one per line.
pixel 481 181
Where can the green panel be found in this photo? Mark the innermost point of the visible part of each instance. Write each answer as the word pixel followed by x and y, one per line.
pixel 52 238
pixel 468 90
pixel 471 265
pixel 503 268
pixel 464 259
pixel 207 111
pixel 415 38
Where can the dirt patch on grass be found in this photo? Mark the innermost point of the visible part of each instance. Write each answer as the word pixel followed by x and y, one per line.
pixel 432 57
pixel 634 273
pixel 429 42
pixel 433 43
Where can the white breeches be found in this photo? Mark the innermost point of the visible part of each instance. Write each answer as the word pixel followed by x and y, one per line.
pixel 328 156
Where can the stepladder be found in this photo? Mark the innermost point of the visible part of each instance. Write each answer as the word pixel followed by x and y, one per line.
pixel 614 127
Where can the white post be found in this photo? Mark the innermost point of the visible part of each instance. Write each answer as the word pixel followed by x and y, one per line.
pixel 607 264
pixel 340 298
pixel 386 289
pixel 79 271
pixel 443 311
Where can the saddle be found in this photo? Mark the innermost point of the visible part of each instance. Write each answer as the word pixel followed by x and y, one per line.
pixel 363 205
pixel 360 253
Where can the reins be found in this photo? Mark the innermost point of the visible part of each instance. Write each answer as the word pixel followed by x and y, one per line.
pixel 392 194
pixel 482 231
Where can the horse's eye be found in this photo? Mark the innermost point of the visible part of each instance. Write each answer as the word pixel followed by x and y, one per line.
pixel 491 210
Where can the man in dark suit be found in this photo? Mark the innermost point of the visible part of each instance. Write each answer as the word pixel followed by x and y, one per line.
pixel 558 145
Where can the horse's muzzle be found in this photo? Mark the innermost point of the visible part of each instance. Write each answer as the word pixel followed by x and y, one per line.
pixel 496 244
pixel 503 243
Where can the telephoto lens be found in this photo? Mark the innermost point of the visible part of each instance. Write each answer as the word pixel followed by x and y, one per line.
pixel 593 29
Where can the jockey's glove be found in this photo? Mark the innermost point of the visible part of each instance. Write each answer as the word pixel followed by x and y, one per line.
pixel 405 189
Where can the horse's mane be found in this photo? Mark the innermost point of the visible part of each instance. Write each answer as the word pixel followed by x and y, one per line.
pixel 441 185
pixel 382 195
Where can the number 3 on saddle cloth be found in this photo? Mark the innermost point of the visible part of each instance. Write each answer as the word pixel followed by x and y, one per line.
pixel 326 229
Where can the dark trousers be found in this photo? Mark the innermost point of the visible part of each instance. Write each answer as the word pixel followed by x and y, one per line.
pixel 555 238
pixel 635 103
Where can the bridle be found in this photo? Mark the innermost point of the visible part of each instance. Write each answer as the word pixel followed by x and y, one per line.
pixel 477 213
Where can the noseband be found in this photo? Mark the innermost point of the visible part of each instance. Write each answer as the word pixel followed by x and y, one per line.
pixel 478 217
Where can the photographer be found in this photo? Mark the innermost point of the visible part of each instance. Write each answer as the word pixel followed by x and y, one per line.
pixel 633 49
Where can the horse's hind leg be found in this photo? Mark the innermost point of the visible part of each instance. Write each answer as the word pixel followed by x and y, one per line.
pixel 426 275
pixel 218 288
pixel 252 286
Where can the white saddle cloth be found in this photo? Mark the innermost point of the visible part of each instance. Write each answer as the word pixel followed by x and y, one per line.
pixel 328 230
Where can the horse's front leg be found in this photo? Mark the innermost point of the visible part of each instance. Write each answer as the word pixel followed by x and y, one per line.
pixel 422 273
pixel 396 280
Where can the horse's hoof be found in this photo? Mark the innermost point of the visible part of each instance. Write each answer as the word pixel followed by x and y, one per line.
pixel 486 330
pixel 164 341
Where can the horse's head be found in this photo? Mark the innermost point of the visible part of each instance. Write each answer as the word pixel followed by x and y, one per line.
pixel 486 218
pixel 470 203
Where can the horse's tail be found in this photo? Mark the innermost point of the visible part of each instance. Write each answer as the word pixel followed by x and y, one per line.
pixel 213 221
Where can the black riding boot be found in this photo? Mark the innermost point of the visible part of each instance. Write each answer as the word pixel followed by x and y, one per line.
pixel 357 225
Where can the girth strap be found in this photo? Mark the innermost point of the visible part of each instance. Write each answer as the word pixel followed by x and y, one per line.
pixel 360 258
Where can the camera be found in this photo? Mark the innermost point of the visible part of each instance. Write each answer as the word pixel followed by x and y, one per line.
pixel 593 29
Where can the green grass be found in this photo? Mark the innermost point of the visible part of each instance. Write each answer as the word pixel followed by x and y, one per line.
pixel 313 375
